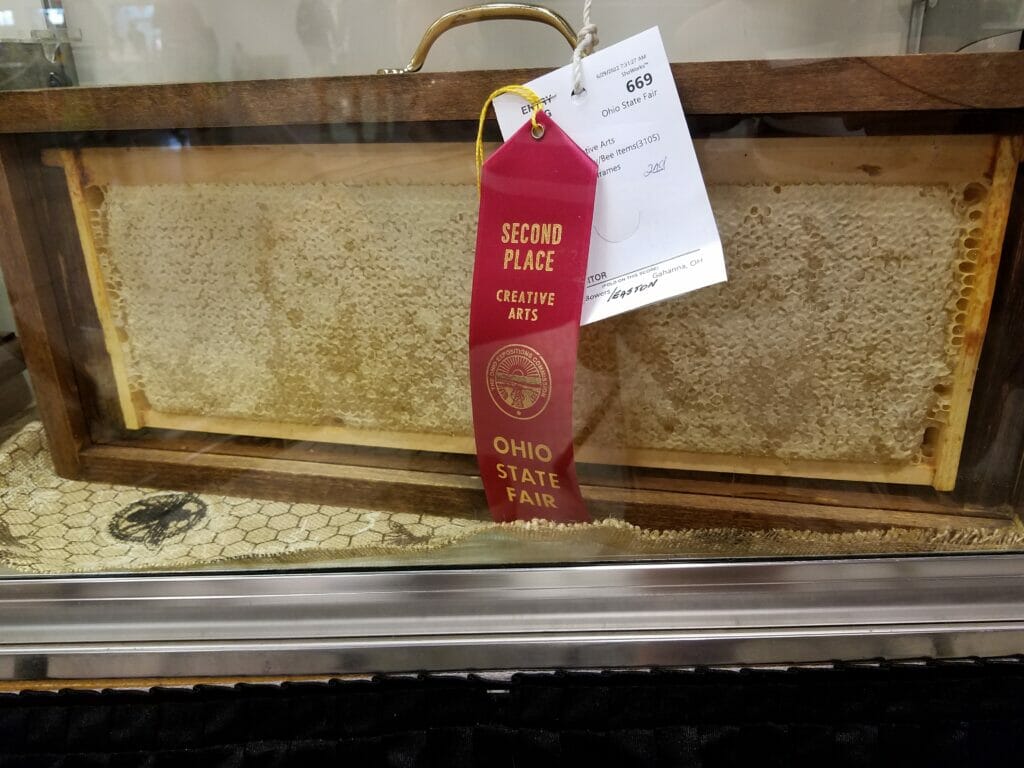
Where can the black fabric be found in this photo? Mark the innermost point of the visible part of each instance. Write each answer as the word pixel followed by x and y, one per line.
pixel 934 714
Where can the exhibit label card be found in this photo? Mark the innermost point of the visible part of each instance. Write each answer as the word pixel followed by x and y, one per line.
pixel 654 235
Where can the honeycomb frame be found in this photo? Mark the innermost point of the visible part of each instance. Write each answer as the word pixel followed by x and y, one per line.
pixel 957 170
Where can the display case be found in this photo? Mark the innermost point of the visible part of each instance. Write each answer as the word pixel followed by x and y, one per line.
pixel 244 309
pixel 280 311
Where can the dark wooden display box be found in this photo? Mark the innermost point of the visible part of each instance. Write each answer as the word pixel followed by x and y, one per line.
pixel 61 149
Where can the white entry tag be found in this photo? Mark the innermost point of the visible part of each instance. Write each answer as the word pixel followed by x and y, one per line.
pixel 654 234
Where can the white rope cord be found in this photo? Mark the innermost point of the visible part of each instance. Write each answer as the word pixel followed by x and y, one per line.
pixel 586 42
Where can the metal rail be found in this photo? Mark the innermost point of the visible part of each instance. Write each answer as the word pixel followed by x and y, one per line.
pixel 511 618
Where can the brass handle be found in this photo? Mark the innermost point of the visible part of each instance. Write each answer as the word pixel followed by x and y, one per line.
pixel 486 12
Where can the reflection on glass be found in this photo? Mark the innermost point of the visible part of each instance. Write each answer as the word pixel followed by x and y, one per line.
pixel 250 343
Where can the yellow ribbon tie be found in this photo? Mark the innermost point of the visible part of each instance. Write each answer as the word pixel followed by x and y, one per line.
pixel 520 90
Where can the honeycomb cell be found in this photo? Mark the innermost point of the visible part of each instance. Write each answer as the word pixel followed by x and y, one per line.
pixel 367 539
pixel 231 536
pixel 338 541
pixel 260 535
pixel 200 537
pixel 46 520
pixel 323 533
pixel 74 519
pixel 313 522
pixel 353 527
pixel 73 497
pixel 52 532
pixel 206 551
pixel 281 522
pixel 222 522
pixel 292 535
pixel 252 522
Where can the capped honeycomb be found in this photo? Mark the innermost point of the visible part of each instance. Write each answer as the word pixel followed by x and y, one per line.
pixel 834 337
pixel 305 303
pixel 340 304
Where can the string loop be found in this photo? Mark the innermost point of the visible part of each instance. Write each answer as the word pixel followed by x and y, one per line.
pixel 537 130
pixel 587 37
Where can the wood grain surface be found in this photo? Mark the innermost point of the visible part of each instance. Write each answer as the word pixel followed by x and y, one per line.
pixel 29 282
pixel 785 160
pixel 448 494
pixel 926 82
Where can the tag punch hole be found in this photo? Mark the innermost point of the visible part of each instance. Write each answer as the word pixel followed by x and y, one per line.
pixel 620 228
pixel 537 131
pixel 577 97
pixel 616 218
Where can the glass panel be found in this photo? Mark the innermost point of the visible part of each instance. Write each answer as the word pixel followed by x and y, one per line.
pixel 248 339
pixel 175 41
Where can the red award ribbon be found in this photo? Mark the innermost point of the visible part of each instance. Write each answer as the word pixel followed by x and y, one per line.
pixel 536 210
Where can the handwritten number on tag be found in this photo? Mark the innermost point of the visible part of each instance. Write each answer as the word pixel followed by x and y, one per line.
pixel 656 167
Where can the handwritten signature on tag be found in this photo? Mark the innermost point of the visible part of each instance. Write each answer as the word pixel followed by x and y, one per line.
pixel 655 167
